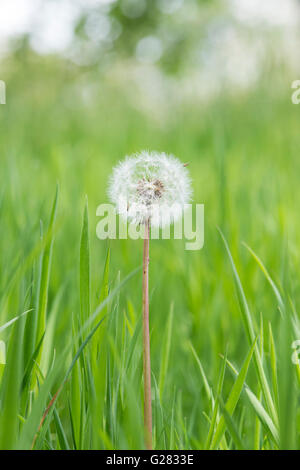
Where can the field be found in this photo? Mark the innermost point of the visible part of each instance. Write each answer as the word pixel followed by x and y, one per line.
pixel 222 319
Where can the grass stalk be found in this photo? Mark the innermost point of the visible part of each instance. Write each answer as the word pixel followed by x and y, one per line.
pixel 146 343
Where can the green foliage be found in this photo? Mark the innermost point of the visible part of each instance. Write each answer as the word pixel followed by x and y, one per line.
pixel 70 304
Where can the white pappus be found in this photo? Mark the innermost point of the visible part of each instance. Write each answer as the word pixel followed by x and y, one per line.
pixel 150 186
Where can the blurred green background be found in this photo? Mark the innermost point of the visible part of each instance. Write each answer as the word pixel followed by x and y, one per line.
pixel 86 84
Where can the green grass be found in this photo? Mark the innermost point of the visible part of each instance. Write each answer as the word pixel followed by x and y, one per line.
pixel 222 320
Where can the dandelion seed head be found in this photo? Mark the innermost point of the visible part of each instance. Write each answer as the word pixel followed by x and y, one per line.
pixel 150 186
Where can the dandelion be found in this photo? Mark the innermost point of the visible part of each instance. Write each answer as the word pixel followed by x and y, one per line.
pixel 149 188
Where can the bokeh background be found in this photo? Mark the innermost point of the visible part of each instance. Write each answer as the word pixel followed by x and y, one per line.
pixel 90 81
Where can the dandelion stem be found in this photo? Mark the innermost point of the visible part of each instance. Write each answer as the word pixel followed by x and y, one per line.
pixel 146 341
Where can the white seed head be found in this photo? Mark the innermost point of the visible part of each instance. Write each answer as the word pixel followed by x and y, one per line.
pixel 150 186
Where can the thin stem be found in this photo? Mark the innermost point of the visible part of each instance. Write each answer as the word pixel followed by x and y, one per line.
pixel 146 341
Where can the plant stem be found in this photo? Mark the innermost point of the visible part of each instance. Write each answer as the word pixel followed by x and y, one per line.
pixel 146 341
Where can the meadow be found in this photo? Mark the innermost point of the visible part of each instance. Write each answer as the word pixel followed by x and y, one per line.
pixel 222 319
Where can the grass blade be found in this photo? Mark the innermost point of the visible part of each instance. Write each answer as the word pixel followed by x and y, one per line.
pixel 233 398
pixel 234 432
pixel 43 285
pixel 166 346
pixel 263 415
pixel 248 324
pixel 85 282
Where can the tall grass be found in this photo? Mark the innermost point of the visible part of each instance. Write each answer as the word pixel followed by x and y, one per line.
pixel 222 319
